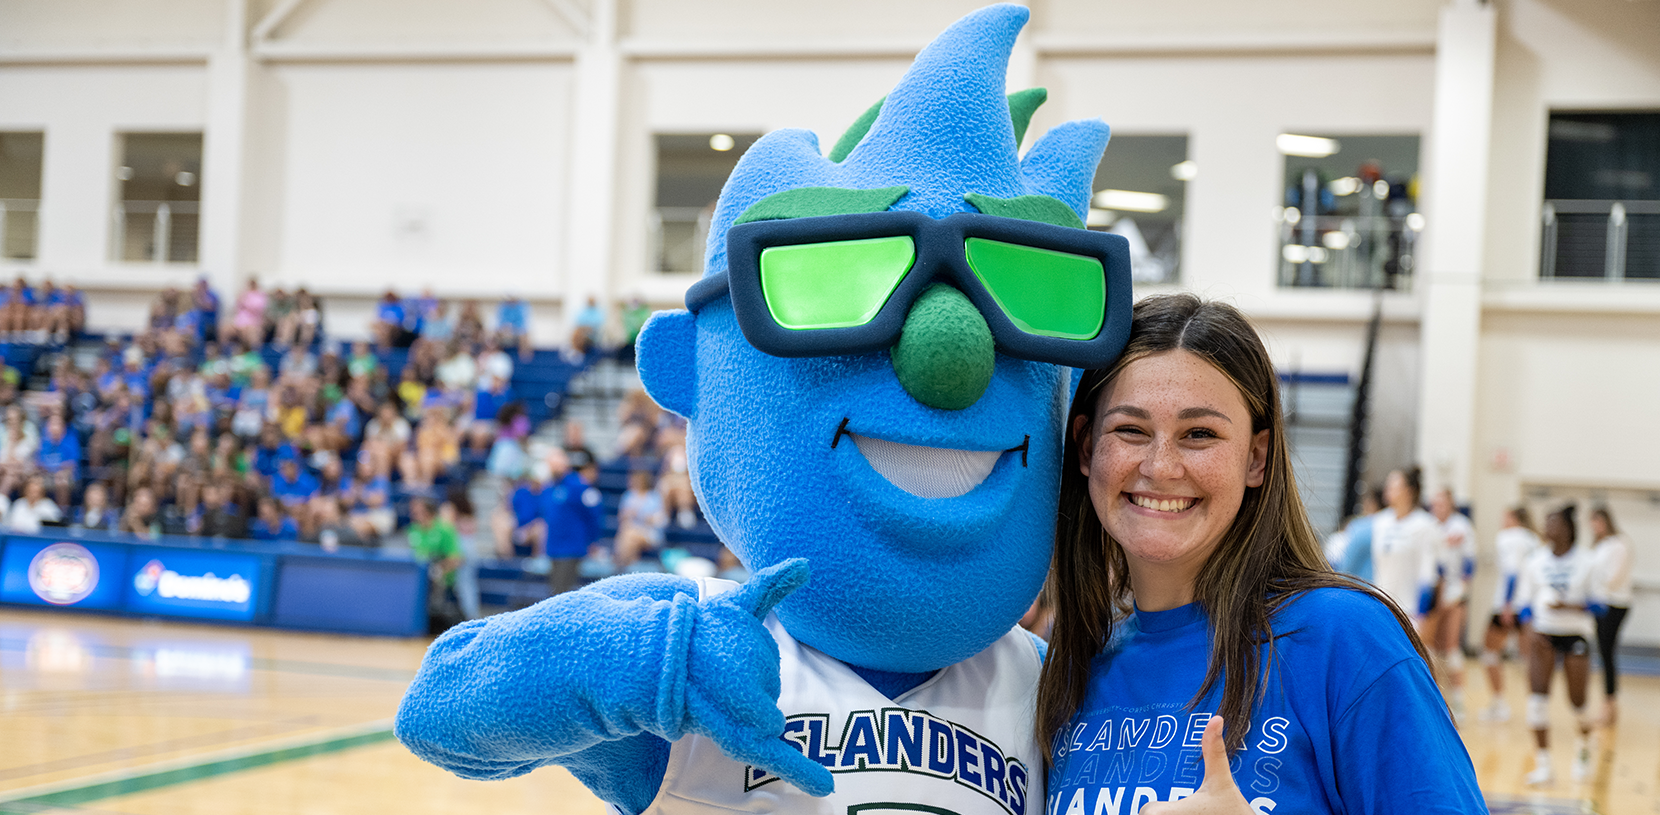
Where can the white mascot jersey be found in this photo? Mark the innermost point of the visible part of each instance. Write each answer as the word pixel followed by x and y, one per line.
pixel 960 743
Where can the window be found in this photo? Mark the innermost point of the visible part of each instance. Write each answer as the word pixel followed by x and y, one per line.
pixel 158 216
pixel 1140 192
pixel 20 163
pixel 691 169
pixel 1350 214
pixel 1602 197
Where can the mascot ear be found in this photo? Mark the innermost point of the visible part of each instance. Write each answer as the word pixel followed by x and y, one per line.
pixel 666 354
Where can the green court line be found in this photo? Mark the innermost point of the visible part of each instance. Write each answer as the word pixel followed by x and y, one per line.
pixel 75 796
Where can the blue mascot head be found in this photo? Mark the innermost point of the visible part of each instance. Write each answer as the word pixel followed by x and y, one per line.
pixel 919 478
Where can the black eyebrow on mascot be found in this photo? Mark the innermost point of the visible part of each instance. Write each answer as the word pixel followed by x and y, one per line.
pixel 875 370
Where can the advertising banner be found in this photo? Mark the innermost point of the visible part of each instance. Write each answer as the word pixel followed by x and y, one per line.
pixel 180 583
pixel 62 573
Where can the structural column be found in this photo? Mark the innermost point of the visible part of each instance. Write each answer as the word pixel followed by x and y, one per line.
pixel 224 146
pixel 591 222
pixel 1449 277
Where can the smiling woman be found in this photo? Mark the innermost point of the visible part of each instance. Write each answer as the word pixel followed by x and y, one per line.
pixel 1188 582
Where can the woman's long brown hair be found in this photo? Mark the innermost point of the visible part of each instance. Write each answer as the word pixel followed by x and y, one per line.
pixel 1267 556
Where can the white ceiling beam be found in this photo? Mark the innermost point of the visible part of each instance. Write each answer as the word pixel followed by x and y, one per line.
pixel 274 18
pixel 573 14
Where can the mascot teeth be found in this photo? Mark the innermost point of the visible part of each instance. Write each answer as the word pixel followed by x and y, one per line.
pixel 927 472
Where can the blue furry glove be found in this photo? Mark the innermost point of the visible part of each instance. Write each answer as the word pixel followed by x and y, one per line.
pixel 594 679
pixel 732 682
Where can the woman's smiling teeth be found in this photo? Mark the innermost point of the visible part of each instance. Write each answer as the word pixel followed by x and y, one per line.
pixel 1162 504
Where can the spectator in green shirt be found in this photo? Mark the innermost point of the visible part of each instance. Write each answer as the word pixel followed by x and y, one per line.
pixel 434 542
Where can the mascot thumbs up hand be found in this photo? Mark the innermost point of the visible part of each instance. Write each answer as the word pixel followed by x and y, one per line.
pixel 875 370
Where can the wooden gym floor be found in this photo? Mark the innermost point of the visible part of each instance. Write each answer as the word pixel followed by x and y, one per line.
pixel 102 715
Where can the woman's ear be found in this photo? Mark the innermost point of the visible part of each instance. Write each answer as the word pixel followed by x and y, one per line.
pixel 1259 458
pixel 1086 447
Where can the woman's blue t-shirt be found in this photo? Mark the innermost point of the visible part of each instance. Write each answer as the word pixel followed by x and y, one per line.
pixel 1349 721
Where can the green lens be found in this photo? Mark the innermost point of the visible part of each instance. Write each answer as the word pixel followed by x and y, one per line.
pixel 833 285
pixel 1053 294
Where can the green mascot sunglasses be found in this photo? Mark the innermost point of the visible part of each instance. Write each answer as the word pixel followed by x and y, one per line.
pixel 843 284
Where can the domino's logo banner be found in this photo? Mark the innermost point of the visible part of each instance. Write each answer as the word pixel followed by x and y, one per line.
pixel 215 585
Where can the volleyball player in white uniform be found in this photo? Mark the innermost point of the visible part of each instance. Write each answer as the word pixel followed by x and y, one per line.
pixel 1405 540
pixel 1514 543
pixel 1555 594
pixel 961 741
pixel 1455 563
pixel 1612 585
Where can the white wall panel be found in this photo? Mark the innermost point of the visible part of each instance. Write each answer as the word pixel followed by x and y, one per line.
pixel 410 175
pixel 82 109
pixel 766 20
pixel 380 22
pixel 101 25
pixel 1195 18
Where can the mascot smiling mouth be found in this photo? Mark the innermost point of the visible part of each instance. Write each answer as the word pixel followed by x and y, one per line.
pixel 928 472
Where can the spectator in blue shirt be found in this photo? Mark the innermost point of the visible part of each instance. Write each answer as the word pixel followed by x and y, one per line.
pixel 513 326
pixel 270 451
pixel 520 531
pixel 345 419
pixel 492 395
pixel 271 524
pixel 571 511
pixel 75 302
pixel 134 374
pixel 292 485
pixel 418 310
pixel 94 512
pixel 206 305
pixel 390 316
pixel 59 458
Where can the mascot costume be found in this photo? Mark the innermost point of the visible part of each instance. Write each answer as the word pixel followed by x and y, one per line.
pixel 875 371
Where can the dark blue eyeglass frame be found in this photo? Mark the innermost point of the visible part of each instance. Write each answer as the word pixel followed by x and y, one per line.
pixel 940 257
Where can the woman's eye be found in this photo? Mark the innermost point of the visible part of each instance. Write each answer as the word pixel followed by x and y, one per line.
pixel 1202 433
pixel 1129 430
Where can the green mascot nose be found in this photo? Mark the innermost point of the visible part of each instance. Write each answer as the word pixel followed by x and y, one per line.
pixel 944 357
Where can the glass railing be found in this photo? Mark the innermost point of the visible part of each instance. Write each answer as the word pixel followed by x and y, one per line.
pixel 156 231
pixel 1347 251
pixel 678 237
pixel 1600 240
pixel 19 228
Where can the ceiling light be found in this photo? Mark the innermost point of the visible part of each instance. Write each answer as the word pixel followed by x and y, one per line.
pixel 1344 186
pixel 1335 240
pixel 720 142
pixel 1415 221
pixel 1310 146
pixel 1184 171
pixel 184 178
pixel 1131 201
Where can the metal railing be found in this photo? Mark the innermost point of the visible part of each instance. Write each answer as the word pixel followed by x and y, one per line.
pixel 1600 240
pixel 1347 251
pixel 156 231
pixel 19 228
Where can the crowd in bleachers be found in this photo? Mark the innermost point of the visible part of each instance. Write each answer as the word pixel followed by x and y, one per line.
pixel 246 421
